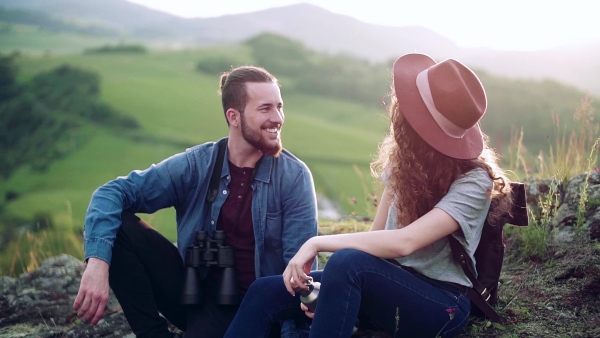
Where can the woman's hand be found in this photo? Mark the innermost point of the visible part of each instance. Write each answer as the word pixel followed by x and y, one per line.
pixel 296 272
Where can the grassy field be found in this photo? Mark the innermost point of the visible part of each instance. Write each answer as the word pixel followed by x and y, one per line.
pixel 179 105
pixel 32 40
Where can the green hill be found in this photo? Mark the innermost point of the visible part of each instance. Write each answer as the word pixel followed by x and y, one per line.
pixel 178 106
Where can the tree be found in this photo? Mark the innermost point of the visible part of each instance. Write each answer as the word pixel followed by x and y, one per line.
pixel 41 122
pixel 279 55
pixel 9 87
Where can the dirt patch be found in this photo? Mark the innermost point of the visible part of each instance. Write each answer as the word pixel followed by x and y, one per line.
pixel 555 297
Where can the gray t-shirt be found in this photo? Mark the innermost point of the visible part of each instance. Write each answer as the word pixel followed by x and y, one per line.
pixel 468 203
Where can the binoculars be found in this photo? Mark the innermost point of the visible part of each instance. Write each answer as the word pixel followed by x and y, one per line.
pixel 209 252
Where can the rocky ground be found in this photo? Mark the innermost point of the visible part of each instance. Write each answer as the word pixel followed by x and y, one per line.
pixel 39 304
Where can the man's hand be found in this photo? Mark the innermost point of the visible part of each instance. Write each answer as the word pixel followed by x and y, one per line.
pixel 93 292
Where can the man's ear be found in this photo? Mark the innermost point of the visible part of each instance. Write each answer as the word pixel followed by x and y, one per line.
pixel 233 116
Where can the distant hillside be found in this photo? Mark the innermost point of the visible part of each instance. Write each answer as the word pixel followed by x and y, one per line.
pixel 322 30
pixel 314 26
pixel 43 21
pixel 578 66
pixel 326 31
pixel 119 15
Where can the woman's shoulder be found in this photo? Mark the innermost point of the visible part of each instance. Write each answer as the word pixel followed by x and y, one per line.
pixel 477 176
pixel 474 186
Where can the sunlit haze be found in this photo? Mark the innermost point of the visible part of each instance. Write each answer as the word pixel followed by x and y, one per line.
pixel 505 25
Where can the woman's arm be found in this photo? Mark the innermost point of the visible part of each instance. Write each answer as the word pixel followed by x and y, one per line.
pixel 385 244
pixel 392 243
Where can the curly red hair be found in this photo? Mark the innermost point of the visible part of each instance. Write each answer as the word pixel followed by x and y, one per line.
pixel 419 176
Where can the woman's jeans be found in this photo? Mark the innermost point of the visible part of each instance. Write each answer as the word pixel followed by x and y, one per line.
pixel 353 282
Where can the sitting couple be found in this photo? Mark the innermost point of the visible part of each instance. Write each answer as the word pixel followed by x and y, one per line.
pixel 440 179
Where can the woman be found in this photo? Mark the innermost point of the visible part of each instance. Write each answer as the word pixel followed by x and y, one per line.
pixel 440 179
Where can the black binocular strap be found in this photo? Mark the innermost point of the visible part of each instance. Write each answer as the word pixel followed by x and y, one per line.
pixel 213 187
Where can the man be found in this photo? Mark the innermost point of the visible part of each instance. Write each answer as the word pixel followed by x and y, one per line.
pixel 266 205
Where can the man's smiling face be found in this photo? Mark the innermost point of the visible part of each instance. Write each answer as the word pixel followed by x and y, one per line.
pixel 263 117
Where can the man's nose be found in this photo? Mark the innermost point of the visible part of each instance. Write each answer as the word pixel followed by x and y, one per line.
pixel 278 117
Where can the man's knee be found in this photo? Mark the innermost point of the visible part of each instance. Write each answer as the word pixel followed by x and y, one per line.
pixel 131 231
pixel 129 222
pixel 264 284
pixel 133 228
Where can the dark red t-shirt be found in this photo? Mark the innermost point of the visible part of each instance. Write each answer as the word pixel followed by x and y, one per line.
pixel 235 218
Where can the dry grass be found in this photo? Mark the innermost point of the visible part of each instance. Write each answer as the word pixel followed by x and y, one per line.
pixel 557 297
pixel 572 150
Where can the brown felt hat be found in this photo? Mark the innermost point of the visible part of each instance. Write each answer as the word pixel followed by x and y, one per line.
pixel 443 102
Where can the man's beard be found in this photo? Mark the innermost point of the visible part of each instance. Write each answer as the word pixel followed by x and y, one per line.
pixel 254 138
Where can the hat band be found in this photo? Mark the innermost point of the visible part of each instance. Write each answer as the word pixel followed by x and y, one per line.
pixel 446 125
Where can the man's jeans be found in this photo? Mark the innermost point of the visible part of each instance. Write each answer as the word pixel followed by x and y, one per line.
pixel 146 276
pixel 355 283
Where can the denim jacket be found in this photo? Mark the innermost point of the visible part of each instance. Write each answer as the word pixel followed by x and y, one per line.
pixel 284 211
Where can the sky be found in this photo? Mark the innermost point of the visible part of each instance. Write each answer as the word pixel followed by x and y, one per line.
pixel 499 24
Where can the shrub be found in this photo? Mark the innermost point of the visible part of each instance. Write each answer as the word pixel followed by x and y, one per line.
pixel 122 49
pixel 217 64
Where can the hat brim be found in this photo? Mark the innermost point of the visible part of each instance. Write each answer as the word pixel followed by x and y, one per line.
pixel 406 69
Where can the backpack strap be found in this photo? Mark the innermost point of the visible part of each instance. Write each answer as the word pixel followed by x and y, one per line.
pixel 478 294
pixel 213 187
